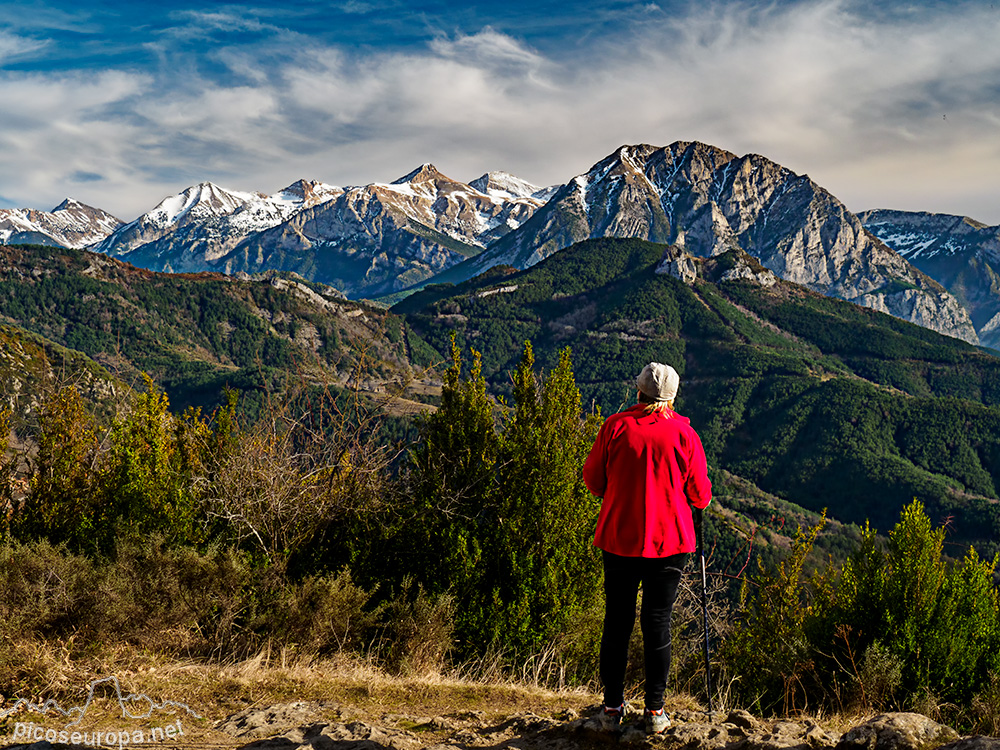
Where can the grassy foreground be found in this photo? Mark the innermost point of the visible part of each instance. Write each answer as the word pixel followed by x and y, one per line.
pixel 346 686
pixel 306 690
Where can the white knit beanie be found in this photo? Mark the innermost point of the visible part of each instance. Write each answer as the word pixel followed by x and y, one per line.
pixel 659 382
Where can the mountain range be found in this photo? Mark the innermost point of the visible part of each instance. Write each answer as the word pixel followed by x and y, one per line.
pixel 70 224
pixel 365 240
pixel 960 253
pixel 390 238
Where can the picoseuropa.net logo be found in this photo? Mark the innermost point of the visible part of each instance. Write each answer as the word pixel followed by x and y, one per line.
pixel 121 738
pixel 31 732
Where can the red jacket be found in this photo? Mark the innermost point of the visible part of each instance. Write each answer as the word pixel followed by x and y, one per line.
pixel 647 468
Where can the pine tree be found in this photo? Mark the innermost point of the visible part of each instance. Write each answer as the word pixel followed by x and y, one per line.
pixel 549 513
pixel 498 515
pixel 451 512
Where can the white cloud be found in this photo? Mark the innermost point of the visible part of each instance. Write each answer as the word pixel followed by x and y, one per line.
pixel 194 23
pixel 487 49
pixel 13 46
pixel 899 113
pixel 58 127
pixel 823 91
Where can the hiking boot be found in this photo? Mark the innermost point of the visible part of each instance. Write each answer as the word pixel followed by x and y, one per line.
pixel 611 717
pixel 656 721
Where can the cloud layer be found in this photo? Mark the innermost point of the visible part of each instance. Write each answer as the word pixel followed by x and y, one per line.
pixel 896 111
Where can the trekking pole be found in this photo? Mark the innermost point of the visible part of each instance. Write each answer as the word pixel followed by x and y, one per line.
pixel 704 607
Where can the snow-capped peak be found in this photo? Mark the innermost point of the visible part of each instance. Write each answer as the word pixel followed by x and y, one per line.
pixel 215 217
pixel 305 193
pixel 70 224
pixel 199 201
pixel 424 173
pixel 70 204
pixel 505 186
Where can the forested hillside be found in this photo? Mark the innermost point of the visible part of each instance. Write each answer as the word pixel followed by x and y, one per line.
pixel 815 400
pixel 197 333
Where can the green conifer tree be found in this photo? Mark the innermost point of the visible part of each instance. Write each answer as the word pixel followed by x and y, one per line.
pixel 498 515
pixel 451 512
pixel 549 515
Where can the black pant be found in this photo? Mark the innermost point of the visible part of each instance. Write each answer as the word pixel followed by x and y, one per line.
pixel 659 577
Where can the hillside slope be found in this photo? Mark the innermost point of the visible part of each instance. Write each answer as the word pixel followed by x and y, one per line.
pixel 31 365
pixel 197 333
pixel 818 401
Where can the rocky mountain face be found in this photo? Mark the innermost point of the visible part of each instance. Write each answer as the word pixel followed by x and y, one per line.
pixel 193 229
pixel 960 253
pixel 366 240
pixel 708 201
pixel 70 224
pixel 382 238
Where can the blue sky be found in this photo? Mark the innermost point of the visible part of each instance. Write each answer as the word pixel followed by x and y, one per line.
pixel 120 104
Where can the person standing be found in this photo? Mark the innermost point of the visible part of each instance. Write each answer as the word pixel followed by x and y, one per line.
pixel 649 468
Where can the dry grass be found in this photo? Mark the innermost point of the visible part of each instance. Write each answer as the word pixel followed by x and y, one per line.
pixel 342 686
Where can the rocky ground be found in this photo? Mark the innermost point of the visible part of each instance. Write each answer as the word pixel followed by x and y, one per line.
pixel 325 725
pixel 318 727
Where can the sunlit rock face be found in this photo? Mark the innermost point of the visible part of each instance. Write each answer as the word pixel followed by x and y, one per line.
pixel 710 201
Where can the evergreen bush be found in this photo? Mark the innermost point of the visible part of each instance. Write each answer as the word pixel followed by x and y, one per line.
pixel 895 625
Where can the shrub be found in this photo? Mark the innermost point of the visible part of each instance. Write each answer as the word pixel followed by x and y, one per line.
pixel 213 604
pixel 95 487
pixel 147 480
pixel 767 653
pixel 418 631
pixel 895 627
pixel 44 590
pixel 64 504
pixel 326 614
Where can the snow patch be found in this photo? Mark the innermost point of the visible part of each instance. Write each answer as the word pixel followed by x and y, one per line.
pixel 500 290
pixel 504 186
